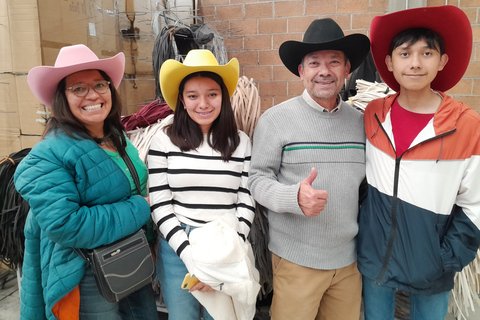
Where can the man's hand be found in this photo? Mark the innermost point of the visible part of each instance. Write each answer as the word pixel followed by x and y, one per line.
pixel 311 201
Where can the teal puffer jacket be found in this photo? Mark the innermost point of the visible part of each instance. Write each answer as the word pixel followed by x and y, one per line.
pixel 79 198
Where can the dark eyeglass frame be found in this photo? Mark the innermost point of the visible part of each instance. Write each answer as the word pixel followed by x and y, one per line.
pixel 88 87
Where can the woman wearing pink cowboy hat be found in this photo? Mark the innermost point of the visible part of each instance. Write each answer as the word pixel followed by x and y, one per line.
pixel 198 170
pixel 80 192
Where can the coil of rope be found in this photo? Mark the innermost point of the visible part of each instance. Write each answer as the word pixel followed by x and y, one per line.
pixel 14 210
pixel 466 290
pixel 142 137
pixel 247 110
pixel 246 105
pixel 368 91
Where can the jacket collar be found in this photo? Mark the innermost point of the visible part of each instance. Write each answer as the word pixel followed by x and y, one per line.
pixel 444 120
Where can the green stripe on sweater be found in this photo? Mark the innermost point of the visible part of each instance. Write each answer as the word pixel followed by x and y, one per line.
pixel 325 147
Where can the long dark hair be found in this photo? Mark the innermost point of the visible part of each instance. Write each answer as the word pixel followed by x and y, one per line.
pixel 64 120
pixel 187 135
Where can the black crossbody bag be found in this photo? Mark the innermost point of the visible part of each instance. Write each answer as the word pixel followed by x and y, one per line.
pixel 124 266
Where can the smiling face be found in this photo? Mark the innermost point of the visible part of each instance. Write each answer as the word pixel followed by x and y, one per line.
pixel 323 74
pixel 93 108
pixel 415 65
pixel 202 99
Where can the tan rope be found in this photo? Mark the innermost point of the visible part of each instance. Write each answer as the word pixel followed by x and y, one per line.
pixel 246 105
pixel 466 290
pixel 6 159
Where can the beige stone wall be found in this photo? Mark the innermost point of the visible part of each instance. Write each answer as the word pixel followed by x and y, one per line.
pixel 254 29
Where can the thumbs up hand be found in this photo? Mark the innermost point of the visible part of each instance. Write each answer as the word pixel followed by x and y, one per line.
pixel 311 201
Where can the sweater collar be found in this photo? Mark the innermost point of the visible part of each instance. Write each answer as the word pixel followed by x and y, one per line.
pixel 312 103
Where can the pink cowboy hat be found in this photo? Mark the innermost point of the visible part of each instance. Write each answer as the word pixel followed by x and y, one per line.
pixel 44 80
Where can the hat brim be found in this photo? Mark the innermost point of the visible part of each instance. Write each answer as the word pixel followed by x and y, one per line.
pixel 449 21
pixel 173 72
pixel 43 80
pixel 355 46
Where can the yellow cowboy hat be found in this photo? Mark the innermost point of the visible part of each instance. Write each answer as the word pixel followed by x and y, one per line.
pixel 172 73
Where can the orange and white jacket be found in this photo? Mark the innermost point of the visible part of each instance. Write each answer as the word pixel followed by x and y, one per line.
pixel 420 220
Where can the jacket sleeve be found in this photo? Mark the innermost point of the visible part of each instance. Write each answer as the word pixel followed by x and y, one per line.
pixel 245 203
pixel 462 238
pixel 265 165
pixel 32 290
pixel 161 197
pixel 51 181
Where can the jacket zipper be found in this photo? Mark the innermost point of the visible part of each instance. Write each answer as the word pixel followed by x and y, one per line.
pixel 393 231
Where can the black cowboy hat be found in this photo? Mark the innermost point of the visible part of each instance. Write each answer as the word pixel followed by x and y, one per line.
pixel 325 34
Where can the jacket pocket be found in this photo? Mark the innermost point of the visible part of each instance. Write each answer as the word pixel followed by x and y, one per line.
pixel 417 257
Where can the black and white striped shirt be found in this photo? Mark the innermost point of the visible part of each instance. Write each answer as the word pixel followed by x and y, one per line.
pixel 197 187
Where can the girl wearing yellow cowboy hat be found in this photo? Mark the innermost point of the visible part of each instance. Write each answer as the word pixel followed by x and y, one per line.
pixel 198 169
pixel 79 190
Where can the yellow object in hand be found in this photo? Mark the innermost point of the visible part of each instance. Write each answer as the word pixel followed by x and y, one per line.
pixel 189 281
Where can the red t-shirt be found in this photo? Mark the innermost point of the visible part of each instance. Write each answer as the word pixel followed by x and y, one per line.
pixel 406 125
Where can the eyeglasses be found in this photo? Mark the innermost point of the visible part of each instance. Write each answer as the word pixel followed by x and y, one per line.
pixel 81 89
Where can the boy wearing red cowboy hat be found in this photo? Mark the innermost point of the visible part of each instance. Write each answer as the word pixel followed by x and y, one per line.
pixel 420 222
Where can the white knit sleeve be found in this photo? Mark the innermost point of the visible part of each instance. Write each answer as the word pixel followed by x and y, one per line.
pixel 245 202
pixel 160 194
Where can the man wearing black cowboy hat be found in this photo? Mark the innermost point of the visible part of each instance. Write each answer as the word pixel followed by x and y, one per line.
pixel 305 150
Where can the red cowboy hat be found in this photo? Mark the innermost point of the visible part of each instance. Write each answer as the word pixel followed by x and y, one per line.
pixel 448 21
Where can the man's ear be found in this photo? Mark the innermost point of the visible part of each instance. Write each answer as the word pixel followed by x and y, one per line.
pixel 388 62
pixel 347 69
pixel 443 62
pixel 300 71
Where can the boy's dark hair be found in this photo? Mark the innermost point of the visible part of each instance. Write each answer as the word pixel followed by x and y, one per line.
pixel 187 135
pixel 64 120
pixel 433 39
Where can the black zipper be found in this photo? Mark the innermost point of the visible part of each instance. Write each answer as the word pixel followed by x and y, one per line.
pixel 393 231
pixel 113 253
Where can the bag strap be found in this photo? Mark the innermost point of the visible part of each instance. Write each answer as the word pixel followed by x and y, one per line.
pixel 83 252
pixel 133 171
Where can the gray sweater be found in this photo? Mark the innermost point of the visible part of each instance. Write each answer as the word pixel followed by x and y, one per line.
pixel 289 140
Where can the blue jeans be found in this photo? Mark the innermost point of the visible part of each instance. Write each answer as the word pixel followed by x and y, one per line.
pixel 379 303
pixel 139 305
pixel 171 270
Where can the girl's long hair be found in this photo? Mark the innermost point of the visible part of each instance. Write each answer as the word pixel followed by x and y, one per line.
pixel 187 135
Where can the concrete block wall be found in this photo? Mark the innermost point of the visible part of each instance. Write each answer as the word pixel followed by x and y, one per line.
pixel 254 29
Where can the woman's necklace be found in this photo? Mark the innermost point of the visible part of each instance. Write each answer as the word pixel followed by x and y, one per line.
pixel 102 142
pixel 106 144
